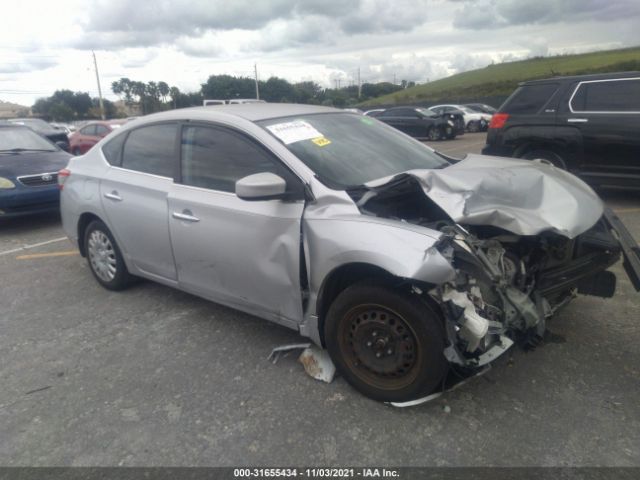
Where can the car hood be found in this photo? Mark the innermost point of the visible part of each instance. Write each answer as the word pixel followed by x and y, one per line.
pixel 522 196
pixel 32 163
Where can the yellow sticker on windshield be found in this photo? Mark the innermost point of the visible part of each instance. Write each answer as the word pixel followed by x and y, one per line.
pixel 321 141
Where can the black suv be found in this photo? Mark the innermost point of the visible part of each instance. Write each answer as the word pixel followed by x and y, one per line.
pixel 589 125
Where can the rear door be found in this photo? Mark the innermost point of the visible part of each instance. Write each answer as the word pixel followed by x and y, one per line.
pixel 134 195
pixel 406 120
pixel 607 113
pixel 245 254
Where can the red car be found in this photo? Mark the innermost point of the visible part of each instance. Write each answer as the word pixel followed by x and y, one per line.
pixel 86 137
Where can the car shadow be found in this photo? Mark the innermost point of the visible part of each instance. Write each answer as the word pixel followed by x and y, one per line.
pixel 28 224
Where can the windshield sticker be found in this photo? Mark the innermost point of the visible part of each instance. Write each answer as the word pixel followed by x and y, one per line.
pixel 296 131
pixel 321 141
pixel 366 120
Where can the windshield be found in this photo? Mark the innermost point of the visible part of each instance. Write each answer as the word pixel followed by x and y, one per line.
pixel 347 150
pixel 35 123
pixel 22 139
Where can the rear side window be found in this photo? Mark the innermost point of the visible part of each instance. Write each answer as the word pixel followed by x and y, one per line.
pixel 216 158
pixel 151 149
pixel 112 150
pixel 88 130
pixel 529 99
pixel 607 96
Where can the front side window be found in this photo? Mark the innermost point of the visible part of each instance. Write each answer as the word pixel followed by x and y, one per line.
pixel 216 158
pixel 347 150
pixel 607 96
pixel 151 150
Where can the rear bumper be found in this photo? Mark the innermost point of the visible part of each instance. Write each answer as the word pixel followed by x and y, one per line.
pixel 628 245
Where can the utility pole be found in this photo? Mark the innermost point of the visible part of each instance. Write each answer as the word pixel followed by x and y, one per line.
pixel 255 71
pixel 95 64
pixel 359 84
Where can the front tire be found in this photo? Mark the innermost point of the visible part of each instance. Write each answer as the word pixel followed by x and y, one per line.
pixel 388 345
pixel 104 257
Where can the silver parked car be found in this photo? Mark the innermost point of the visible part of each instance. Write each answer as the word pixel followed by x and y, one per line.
pixel 407 266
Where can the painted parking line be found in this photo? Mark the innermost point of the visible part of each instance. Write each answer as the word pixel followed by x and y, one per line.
pixel 35 245
pixel 50 254
pixel 626 210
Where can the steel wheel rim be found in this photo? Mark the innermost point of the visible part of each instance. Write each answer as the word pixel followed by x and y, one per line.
pixel 380 347
pixel 102 256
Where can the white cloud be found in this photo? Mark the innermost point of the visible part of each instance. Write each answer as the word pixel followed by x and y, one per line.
pixel 183 42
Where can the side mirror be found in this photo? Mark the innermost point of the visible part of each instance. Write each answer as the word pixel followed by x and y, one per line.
pixel 261 186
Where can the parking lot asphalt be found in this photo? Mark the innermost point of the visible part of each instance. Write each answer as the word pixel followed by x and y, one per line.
pixel 152 376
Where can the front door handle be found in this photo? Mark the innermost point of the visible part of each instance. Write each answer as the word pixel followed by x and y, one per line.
pixel 113 196
pixel 577 120
pixel 186 215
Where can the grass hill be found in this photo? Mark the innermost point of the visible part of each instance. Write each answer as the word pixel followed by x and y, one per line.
pixel 501 79
pixel 10 110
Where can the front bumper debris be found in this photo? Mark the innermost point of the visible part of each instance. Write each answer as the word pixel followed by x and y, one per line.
pixel 630 248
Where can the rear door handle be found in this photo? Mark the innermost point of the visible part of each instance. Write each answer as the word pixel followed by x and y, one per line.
pixel 577 120
pixel 113 196
pixel 186 215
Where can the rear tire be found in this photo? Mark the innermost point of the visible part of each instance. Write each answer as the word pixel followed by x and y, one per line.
pixel 434 134
pixel 473 126
pixel 388 345
pixel 552 157
pixel 104 257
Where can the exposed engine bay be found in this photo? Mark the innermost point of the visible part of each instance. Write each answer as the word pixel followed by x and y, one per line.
pixel 506 285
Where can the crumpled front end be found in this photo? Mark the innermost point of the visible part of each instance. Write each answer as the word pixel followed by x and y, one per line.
pixel 507 286
pixel 523 238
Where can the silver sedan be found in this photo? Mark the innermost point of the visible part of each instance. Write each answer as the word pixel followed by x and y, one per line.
pixel 410 268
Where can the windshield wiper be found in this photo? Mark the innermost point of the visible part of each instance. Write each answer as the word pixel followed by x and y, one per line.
pixel 18 150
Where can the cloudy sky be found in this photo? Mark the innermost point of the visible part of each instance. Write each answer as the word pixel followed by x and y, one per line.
pixel 46 45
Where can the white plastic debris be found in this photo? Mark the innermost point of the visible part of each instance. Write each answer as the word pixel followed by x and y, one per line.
pixel 318 364
pixel 275 354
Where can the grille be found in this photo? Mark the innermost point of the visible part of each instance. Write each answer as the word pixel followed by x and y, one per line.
pixel 39 180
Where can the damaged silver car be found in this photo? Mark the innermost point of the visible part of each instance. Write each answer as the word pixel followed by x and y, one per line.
pixel 407 266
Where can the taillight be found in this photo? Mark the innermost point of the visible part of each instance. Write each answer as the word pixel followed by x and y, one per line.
pixel 498 120
pixel 62 177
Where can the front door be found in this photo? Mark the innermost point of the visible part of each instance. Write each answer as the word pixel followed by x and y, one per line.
pixel 241 253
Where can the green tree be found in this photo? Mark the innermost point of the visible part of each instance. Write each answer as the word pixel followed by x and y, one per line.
pixel 163 90
pixel 228 87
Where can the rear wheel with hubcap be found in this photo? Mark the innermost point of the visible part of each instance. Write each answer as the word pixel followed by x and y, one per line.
pixel 104 257
pixel 388 345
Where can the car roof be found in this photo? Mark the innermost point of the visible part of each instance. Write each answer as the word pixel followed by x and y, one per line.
pixel 5 124
pixel 584 78
pixel 253 112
